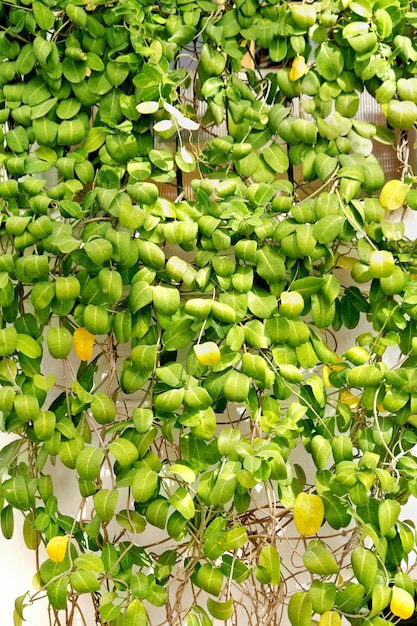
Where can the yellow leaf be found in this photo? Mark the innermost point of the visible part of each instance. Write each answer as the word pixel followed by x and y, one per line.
pixel 352 401
pixel 327 369
pixel 83 342
pixel 402 603
pixel 330 618
pixel 57 548
pixel 299 68
pixel 393 195
pixel 347 262
pixel 308 513
pixel 207 353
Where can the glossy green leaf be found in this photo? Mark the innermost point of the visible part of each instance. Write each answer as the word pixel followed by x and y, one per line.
pixel 388 513
pixel 336 511
pixel 329 60
pixel 318 559
pixel 145 484
pixel 89 563
pixel 131 521
pixel 57 591
pixel 88 462
pixel 300 609
pixel 220 610
pixel 135 614
pixel 105 502
pixel 124 451
pixel 210 579
pixel 321 450
pixel 178 334
pixel 182 501
pixel 322 595
pixel 365 566
pixel 270 560
pixel 84 582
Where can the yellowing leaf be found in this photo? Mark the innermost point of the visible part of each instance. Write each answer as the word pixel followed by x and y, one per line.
pixel 402 603
pixel 347 262
pixel 308 513
pixel 351 400
pixel 83 342
pixel 57 548
pixel 299 68
pixel 327 369
pixel 330 618
pixel 393 195
pixel 207 353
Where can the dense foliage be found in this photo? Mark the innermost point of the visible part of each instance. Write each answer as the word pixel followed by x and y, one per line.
pixel 191 213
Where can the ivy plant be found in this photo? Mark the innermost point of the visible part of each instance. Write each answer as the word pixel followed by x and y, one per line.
pixel 209 309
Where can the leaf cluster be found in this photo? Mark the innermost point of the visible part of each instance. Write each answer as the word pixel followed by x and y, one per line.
pixel 187 236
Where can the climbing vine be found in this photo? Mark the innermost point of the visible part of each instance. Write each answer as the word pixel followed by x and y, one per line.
pixel 208 300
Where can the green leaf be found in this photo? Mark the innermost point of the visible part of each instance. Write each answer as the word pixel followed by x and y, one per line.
pixel 270 265
pixel 15 491
pixel 166 299
pixel 124 451
pixel 236 386
pixel 270 560
pixel 350 597
pixel 210 578
pixel 109 611
pixel 172 374
pixel 223 490
pixel 178 334
pixel 84 582
pixel 8 340
pixel 321 449
pixel 328 228
pixel 365 566
pixel 227 440
pixel 220 610
pixel 300 609
pixel 17 139
pixel 182 501
pixel 131 521
pixel 381 596
pixel 233 539
pixel 336 512
pixel 7 521
pixel 88 462
pixel 95 138
pixel 323 595
pixel 135 614
pixel 157 512
pixel 329 61
pixel 44 17
pixel 307 286
pixel 140 295
pixel 388 512
pixel 105 502
pixel 401 114
pixel 261 303
pixel 183 471
pixel 145 484
pixel 57 591
pixel 276 158
pixel 28 346
pixel 318 559
pixel 143 193
pixel 89 563
pixel 317 387
pixel 235 569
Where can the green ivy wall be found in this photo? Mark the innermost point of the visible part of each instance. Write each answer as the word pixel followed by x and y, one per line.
pixel 208 312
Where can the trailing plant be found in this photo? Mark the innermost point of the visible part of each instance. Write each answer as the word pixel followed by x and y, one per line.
pixel 190 243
